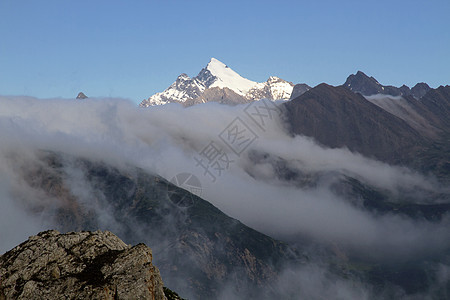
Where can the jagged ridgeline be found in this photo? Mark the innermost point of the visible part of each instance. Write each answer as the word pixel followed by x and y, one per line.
pixel 198 249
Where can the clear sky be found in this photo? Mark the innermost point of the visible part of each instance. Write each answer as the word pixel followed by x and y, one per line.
pixel 132 49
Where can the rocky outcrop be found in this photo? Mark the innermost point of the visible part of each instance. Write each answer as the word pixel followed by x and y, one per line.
pixel 81 96
pixel 79 265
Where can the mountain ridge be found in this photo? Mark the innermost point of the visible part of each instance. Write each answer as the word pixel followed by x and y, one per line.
pixel 368 86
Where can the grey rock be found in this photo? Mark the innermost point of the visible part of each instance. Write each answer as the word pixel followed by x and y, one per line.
pixel 79 265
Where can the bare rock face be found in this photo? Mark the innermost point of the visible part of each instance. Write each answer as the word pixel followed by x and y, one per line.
pixel 79 265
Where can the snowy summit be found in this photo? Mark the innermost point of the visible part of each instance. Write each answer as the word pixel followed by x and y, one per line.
pixel 226 77
pixel 217 75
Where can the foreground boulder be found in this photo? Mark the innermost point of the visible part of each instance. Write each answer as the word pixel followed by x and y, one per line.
pixel 79 265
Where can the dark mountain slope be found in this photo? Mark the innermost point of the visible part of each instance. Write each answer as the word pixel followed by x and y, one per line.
pixel 438 102
pixel 198 249
pixel 337 117
pixel 412 111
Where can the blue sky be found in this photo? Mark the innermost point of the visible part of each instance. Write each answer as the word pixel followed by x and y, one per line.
pixel 132 49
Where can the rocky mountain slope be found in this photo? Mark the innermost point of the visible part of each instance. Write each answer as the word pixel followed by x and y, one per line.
pixel 79 265
pixel 337 117
pixel 413 111
pixel 211 80
pixel 423 108
pixel 196 247
pixel 395 129
pixel 437 102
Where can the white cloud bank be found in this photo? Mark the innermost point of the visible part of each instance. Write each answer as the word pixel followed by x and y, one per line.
pixel 165 140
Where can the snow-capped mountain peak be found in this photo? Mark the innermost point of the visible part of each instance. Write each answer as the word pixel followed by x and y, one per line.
pixel 226 77
pixel 215 63
pixel 216 74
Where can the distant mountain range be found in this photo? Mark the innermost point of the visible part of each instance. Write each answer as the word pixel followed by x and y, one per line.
pixel 219 83
pixel 394 124
pixel 337 117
